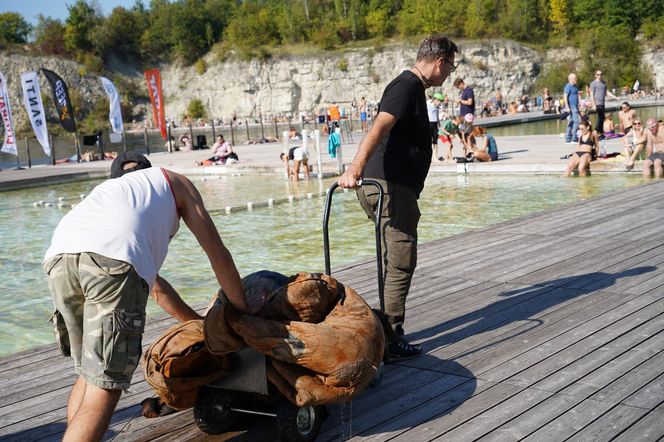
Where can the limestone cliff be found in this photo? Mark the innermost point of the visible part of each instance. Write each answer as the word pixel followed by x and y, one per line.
pixel 293 84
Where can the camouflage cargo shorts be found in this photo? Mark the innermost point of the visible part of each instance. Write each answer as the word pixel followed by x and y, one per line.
pixel 99 315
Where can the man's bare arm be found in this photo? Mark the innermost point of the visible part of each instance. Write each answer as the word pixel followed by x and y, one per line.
pixel 169 300
pixel 383 123
pixel 197 218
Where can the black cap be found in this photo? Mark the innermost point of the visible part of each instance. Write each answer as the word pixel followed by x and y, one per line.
pixel 117 168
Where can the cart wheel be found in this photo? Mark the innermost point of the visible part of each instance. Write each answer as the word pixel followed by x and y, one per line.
pixel 212 412
pixel 299 424
pixel 379 376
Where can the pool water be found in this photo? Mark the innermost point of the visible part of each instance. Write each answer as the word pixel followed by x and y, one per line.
pixel 286 238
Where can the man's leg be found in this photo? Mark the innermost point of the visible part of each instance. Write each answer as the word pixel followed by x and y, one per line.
pixel 568 129
pixel 647 168
pixel 75 398
pixel 296 170
pixel 600 120
pixel 93 416
pixel 114 319
pixel 305 169
pixel 399 227
pixel 576 119
pixel 659 169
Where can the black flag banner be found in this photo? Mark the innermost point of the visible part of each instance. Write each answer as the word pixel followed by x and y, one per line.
pixel 61 98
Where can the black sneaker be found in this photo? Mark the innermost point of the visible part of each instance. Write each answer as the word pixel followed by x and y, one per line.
pixel 401 350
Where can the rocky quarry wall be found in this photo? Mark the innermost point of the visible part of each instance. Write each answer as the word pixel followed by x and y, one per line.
pixel 293 84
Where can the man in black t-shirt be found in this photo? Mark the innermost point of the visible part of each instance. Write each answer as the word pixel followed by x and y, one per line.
pixel 396 152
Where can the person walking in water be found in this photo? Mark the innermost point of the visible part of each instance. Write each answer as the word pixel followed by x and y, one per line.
pixel 396 152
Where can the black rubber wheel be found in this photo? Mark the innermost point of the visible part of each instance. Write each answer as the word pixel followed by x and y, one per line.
pixel 212 412
pixel 299 424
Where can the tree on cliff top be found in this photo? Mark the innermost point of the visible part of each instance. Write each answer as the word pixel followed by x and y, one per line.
pixel 49 36
pixel 13 28
pixel 82 19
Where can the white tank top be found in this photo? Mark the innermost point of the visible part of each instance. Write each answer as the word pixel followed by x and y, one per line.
pixel 131 219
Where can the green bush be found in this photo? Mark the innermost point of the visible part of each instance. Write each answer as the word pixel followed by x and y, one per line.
pixel 325 38
pixel 200 66
pixel 195 109
pixel 554 78
pixel 342 64
pixel 92 65
pixel 652 30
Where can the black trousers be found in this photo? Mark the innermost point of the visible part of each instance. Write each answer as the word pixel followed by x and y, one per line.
pixel 599 127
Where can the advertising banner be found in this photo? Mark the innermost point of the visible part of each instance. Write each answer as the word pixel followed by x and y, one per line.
pixel 9 145
pixel 115 113
pixel 35 109
pixel 157 98
pixel 61 99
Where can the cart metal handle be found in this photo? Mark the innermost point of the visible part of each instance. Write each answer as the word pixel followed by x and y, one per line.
pixel 377 218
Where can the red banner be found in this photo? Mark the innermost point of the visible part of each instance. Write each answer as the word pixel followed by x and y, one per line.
pixel 157 98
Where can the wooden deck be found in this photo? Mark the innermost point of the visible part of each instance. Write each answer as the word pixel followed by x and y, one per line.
pixel 549 327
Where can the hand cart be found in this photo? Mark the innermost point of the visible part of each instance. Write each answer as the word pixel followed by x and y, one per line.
pixel 246 390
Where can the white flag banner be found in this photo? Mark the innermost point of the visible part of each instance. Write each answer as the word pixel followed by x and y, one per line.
pixel 115 114
pixel 9 146
pixel 35 108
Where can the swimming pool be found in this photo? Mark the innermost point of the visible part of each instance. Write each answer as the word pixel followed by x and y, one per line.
pixel 286 238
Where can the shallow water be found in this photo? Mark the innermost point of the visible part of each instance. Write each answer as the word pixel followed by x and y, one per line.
pixel 286 238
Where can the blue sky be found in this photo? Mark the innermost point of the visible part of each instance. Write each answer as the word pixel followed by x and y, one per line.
pixel 29 9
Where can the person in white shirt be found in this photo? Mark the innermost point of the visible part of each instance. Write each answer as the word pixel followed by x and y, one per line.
pixel 102 263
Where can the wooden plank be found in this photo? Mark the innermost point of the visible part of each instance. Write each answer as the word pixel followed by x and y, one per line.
pixel 648 428
pixel 394 398
pixel 575 361
pixel 649 396
pixel 520 426
pixel 493 417
pixel 518 337
pixel 637 376
pixel 610 424
pixel 425 421
pixel 570 422
pixel 438 429
pixel 504 361
pixel 508 410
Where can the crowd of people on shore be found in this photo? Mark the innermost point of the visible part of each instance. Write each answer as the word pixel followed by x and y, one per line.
pixel 476 144
pixel 640 143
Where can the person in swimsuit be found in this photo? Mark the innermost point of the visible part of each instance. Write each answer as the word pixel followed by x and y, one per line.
pixel 586 149
pixel 610 128
pixel 626 117
pixel 654 149
pixel 635 142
